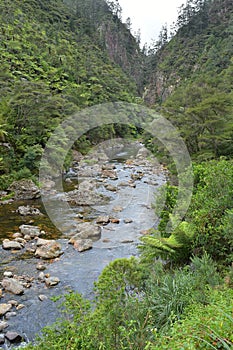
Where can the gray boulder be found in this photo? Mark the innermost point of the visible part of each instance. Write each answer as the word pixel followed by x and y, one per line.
pixel 24 189
pixel 50 250
pixel 11 245
pixel 27 210
pixel 86 230
pixel 12 285
pixel 83 244
pixel 32 231
pixel 4 308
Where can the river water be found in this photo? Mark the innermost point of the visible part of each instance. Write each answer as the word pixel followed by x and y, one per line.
pixel 78 271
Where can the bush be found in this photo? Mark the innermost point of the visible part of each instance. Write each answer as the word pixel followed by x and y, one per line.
pixel 202 326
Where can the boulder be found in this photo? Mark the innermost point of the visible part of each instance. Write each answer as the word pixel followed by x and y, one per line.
pixel 24 189
pixel 27 210
pixel 10 314
pixel 50 250
pixel 4 308
pixel 12 285
pixel 111 174
pixel 14 337
pixel 85 195
pixel 89 171
pixel 111 188
pixel 3 325
pixel 41 241
pixel 86 230
pixel 11 245
pixel 103 220
pixel 32 231
pixel 83 244
pixel 143 153
pixel 8 274
pixel 41 267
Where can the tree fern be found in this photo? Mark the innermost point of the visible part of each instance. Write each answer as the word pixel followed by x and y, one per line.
pixel 176 247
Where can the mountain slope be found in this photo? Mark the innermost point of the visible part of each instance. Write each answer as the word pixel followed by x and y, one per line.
pixel 58 57
pixel 191 77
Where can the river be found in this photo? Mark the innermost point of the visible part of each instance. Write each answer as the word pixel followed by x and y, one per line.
pixel 78 271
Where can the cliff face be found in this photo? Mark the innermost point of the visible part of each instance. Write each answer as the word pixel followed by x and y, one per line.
pixel 123 49
pixel 200 46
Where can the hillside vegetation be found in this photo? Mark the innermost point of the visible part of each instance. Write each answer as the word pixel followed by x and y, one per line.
pixel 58 57
pixel 192 75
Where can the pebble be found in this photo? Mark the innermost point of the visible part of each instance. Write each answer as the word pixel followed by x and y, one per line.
pixel 3 325
pixel 8 315
pixel 42 297
pixel 2 339
pixel 117 208
pixel 27 237
pixel 127 241
pixel 41 267
pixel 144 232
pixel 13 302
pixel 20 306
pixel 115 221
pixel 8 274
pixel 51 281
pixel 17 235
pixel 128 221
pixel 41 276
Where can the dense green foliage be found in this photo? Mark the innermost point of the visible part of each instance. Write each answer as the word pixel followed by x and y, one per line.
pixel 208 224
pixel 191 77
pixel 54 62
pixel 58 57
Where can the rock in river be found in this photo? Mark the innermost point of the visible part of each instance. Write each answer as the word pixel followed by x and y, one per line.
pixel 27 210
pixel 86 194
pixel 52 281
pixel 49 250
pixel 4 308
pixel 32 231
pixel 83 244
pixel 3 325
pixel 12 285
pixel 24 189
pixel 86 230
pixel 103 220
pixel 8 245
pixel 13 337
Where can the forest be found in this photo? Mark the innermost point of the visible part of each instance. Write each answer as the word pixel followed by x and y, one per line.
pixel 60 57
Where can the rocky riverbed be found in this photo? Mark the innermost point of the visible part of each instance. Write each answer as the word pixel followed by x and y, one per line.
pixel 110 193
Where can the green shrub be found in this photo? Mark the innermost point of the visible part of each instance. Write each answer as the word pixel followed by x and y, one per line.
pixel 202 326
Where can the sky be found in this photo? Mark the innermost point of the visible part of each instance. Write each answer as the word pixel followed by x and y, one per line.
pixel 150 15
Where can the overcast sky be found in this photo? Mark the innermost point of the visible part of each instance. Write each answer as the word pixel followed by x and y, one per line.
pixel 150 15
